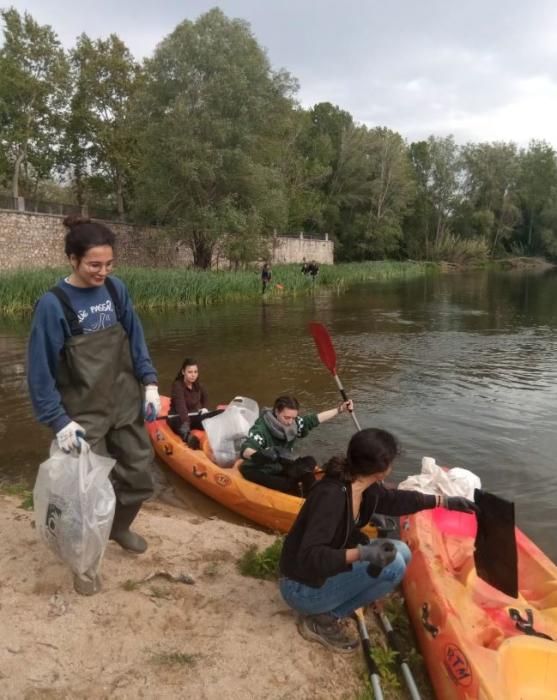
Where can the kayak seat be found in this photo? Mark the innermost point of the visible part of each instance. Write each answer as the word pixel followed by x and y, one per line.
pixel 527 669
pixel 546 603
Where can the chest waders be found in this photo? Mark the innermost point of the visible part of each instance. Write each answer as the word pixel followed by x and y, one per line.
pixel 100 391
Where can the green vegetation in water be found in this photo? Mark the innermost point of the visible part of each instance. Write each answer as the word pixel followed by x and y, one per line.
pixel 180 287
pixel 21 490
pixel 263 565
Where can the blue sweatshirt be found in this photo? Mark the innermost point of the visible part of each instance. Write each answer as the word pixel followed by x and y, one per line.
pixel 49 330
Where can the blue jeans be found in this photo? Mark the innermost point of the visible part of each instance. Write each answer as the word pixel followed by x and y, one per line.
pixel 346 592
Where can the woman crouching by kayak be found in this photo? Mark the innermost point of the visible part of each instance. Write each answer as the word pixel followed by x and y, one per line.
pixel 329 568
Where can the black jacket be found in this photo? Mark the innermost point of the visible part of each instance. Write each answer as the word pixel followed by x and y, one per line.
pixel 314 549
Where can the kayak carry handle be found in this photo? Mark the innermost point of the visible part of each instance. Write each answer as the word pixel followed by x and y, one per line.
pixel 432 629
pixel 526 624
pixel 199 473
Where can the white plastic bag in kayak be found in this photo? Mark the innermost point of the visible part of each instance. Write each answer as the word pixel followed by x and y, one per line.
pixel 229 429
pixel 442 482
pixel 74 506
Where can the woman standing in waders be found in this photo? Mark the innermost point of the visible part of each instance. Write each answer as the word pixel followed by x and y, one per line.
pixel 90 375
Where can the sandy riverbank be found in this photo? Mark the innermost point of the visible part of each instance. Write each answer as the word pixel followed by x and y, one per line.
pixel 225 636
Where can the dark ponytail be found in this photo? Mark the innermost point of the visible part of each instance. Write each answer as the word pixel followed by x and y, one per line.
pixel 337 467
pixel 84 234
pixel 370 451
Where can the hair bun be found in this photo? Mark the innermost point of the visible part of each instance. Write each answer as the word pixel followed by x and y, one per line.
pixel 74 219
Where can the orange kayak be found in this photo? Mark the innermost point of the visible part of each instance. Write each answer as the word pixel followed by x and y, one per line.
pixel 473 646
pixel 273 509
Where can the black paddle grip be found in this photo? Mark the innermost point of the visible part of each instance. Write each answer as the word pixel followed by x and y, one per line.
pixel 370 661
pixel 395 646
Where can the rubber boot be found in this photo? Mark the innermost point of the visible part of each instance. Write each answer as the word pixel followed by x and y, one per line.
pixel 121 533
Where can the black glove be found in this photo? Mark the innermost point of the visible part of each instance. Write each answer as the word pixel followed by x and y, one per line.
pixel 265 456
pixel 379 554
pixel 193 442
pixel 184 431
pixel 285 456
pixel 459 503
pixel 299 466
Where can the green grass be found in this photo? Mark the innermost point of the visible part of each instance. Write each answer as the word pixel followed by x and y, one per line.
pixel 181 287
pixel 391 677
pixel 21 490
pixel 262 565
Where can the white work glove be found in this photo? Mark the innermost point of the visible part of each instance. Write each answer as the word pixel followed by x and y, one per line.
pixel 71 437
pixel 152 406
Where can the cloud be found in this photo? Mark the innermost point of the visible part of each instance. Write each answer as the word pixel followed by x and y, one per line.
pixel 480 70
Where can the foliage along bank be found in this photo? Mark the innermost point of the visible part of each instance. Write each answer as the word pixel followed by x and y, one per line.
pixel 175 288
pixel 206 138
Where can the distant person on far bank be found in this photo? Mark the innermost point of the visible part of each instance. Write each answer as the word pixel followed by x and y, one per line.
pixel 266 276
pixel 313 270
pixel 305 267
pixel 90 375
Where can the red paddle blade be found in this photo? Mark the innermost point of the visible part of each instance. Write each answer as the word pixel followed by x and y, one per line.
pixel 324 346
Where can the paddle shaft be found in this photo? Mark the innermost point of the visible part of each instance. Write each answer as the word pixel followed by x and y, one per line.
pixel 345 397
pixel 393 643
pixel 373 671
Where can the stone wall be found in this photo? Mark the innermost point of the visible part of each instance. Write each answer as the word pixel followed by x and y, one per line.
pixel 36 240
pixel 287 249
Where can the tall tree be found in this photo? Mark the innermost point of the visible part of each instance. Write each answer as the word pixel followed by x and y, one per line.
pixel 33 91
pixel 436 166
pixel 537 183
pixel 100 136
pixel 419 223
pixel 490 187
pixel 371 188
pixel 214 119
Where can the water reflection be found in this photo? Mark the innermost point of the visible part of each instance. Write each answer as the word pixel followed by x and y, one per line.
pixel 460 367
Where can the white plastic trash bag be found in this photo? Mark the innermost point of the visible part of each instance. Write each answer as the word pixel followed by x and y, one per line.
pixel 74 506
pixel 442 482
pixel 229 429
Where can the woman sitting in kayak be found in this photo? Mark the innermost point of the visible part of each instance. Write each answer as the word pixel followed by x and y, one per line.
pixel 329 568
pixel 188 403
pixel 268 447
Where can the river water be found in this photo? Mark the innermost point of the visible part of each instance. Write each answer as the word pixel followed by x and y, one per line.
pixel 460 367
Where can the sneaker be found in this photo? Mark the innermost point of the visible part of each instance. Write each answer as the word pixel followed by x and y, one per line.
pixel 328 631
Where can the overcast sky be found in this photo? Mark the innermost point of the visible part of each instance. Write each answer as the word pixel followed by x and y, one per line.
pixel 483 70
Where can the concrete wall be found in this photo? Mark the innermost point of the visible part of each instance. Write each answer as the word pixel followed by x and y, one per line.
pixel 36 240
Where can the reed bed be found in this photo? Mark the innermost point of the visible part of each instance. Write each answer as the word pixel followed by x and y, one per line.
pixel 176 288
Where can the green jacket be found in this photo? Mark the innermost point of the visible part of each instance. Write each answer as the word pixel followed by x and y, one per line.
pixel 260 437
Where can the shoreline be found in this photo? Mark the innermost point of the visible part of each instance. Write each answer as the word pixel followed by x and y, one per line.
pixel 178 288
